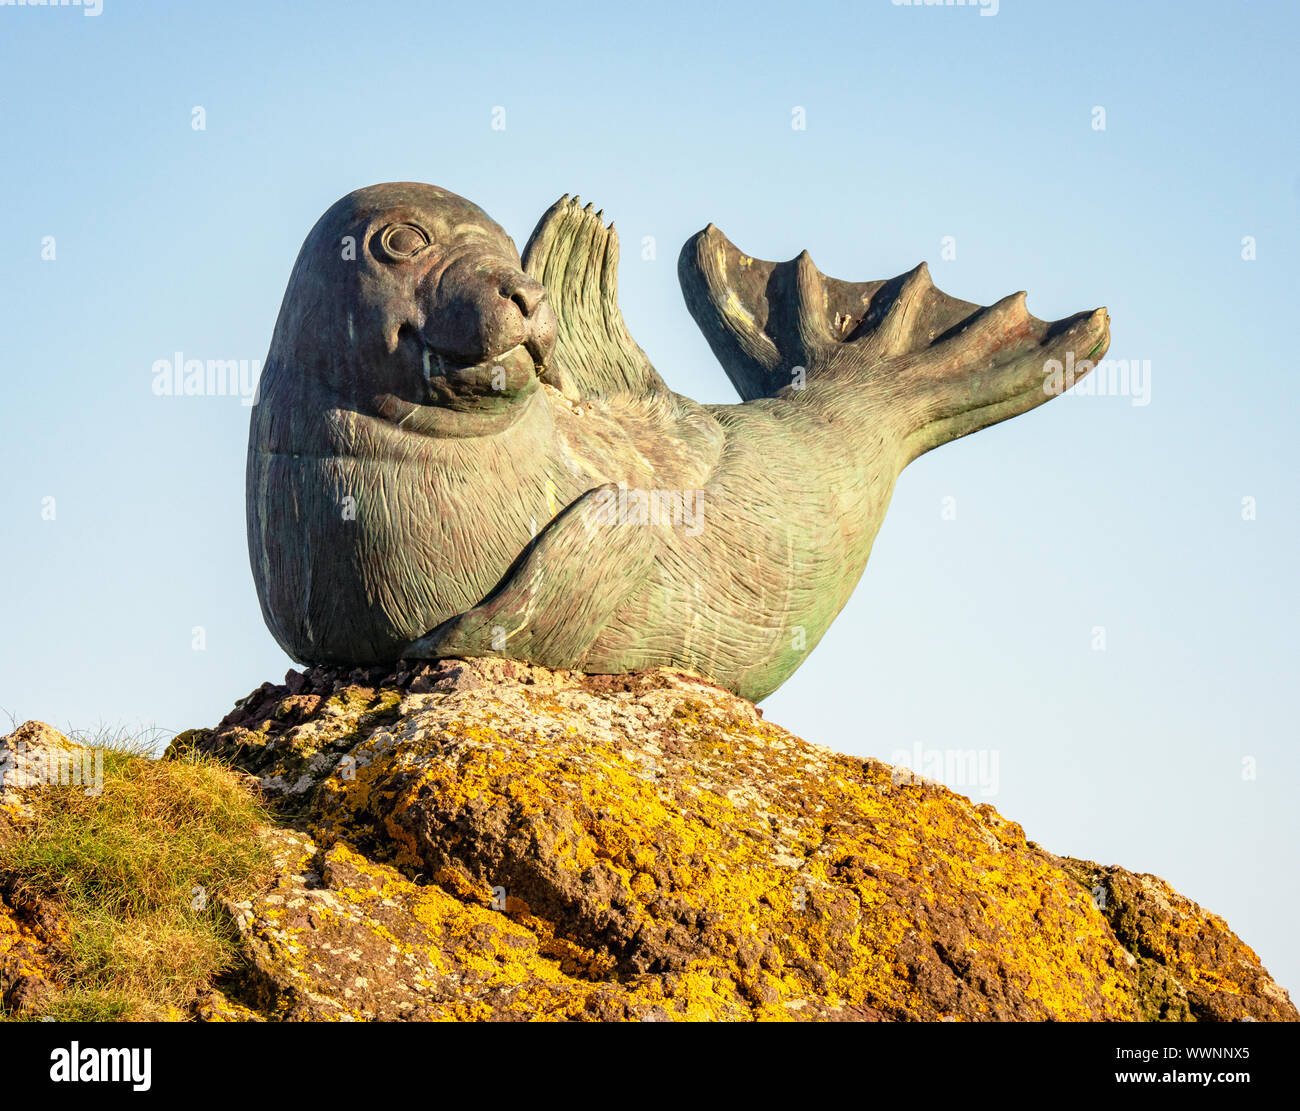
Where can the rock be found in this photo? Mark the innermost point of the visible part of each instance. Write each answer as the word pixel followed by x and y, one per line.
pixel 35 754
pixel 492 840
pixel 29 936
pixel 1189 963
pixel 31 932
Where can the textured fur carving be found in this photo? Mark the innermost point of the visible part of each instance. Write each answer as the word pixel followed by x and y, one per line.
pixel 445 462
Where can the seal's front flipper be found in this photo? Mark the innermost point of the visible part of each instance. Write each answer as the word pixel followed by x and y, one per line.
pixel 575 256
pixel 555 599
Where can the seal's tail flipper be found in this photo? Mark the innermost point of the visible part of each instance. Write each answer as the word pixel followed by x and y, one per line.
pixel 575 256
pixel 958 366
pixel 765 319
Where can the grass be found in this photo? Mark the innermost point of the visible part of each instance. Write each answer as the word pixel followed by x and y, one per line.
pixel 138 872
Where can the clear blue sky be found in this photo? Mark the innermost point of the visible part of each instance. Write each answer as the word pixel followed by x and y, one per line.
pixel 973 633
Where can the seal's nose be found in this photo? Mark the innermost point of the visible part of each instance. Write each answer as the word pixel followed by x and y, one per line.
pixel 481 307
pixel 526 293
pixel 529 296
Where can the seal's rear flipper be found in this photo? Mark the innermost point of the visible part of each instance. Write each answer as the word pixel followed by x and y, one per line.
pixel 558 595
pixel 764 319
pixel 575 256
pixel 950 366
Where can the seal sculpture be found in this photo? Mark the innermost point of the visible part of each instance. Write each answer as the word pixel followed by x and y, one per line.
pixel 458 453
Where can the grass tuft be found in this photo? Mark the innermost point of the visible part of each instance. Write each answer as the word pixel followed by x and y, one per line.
pixel 139 872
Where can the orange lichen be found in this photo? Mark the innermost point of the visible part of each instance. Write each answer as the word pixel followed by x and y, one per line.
pixel 548 845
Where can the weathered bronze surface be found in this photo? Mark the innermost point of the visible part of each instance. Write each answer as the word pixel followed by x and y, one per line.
pixel 456 453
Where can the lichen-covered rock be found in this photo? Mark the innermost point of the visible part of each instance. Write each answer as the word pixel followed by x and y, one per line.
pixel 490 840
pixel 1189 964
pixel 36 754
pixel 29 934
pixel 32 755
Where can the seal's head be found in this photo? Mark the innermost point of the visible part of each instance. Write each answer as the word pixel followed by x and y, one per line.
pixel 406 296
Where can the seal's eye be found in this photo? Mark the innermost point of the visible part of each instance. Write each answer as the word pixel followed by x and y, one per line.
pixel 401 241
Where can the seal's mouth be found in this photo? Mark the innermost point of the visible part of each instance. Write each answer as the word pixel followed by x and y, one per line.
pixel 439 394
pixel 464 400
pixel 501 378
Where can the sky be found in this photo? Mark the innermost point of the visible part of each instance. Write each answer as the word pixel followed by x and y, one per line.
pixel 1095 602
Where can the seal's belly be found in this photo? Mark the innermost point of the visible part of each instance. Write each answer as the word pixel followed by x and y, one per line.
pixel 362 556
pixel 769 559
pixel 360 552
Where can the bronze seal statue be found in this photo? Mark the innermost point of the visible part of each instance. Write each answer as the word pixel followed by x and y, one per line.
pixel 458 453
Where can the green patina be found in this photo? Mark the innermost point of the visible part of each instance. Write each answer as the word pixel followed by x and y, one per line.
pixel 459 452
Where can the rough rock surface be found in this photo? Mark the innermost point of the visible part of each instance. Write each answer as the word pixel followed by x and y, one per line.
pixel 32 754
pixel 489 840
